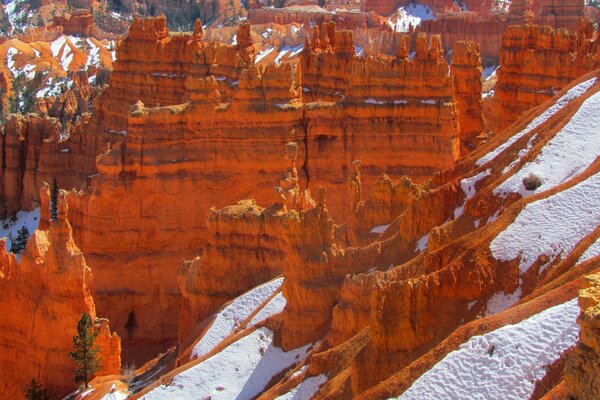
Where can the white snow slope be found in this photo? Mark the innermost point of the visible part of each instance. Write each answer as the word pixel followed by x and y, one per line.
pixel 571 94
pixel 551 226
pixel 228 319
pixel 503 364
pixel 241 371
pixel 30 219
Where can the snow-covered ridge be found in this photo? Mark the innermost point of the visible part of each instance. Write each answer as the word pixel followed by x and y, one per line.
pixel 551 226
pixel 503 364
pixel 566 155
pixel 228 319
pixel 572 94
pixel 240 371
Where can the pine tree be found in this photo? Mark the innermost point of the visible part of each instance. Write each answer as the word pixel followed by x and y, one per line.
pixel 36 391
pixel 54 201
pixel 85 354
pixel 20 242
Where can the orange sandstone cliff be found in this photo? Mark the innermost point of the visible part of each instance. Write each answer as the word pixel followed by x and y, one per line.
pixel 209 128
pixel 44 295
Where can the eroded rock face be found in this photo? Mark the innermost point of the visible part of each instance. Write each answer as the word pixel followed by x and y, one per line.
pixel 536 62
pixel 581 372
pixel 466 71
pixel 44 295
pixel 34 151
pixel 180 125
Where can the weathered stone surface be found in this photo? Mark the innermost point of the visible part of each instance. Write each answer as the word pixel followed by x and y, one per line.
pixel 536 62
pixel 44 295
pixel 581 372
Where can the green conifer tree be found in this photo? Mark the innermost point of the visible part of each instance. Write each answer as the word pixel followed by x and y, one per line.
pixel 20 242
pixel 54 201
pixel 85 354
pixel 36 391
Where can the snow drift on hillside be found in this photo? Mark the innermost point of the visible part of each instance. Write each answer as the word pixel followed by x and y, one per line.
pixel 228 319
pixel 571 94
pixel 551 226
pixel 503 364
pixel 566 155
pixel 240 371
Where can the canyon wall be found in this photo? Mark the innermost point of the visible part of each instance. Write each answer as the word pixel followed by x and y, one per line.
pixel 209 129
pixel 35 150
pixel 44 295
pixel 536 62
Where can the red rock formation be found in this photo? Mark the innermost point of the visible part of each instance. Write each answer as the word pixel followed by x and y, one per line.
pixel 35 150
pixel 204 106
pixel 79 22
pixel 561 13
pixel 485 29
pixel 44 296
pixel 466 71
pixel 309 16
pixel 581 374
pixel 536 62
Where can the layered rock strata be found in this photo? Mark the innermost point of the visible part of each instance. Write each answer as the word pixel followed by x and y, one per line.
pixel 181 125
pixel 538 61
pixel 44 295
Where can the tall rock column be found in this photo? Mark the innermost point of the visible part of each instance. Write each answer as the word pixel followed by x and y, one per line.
pixel 43 297
pixel 466 72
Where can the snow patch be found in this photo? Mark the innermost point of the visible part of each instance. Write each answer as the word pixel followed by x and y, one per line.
pixel 240 371
pixel 379 229
pixel 566 155
pixel 572 94
pixel 228 319
pixel 468 187
pixel 591 252
pixel 501 301
pixel 422 243
pixel 10 228
pixel 551 226
pixel 503 364
pixel 411 15
pixel 306 389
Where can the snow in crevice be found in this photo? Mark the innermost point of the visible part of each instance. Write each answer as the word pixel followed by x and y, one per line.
pixel 551 226
pixel 274 306
pixel 408 16
pixel 502 364
pixel 230 318
pixel 240 371
pixel 501 301
pixel 263 54
pixel 565 156
pixel 468 187
pixel 9 228
pixel 571 94
pixel 306 389
pixel 422 243
pixel 591 252
pixel 379 229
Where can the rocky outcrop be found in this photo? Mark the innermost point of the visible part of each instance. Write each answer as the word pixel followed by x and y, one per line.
pixel 536 62
pixel 310 15
pixel 466 71
pixel 36 150
pixel 581 372
pixel 562 14
pixel 207 104
pixel 44 295
pixel 483 28
pixel 79 22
